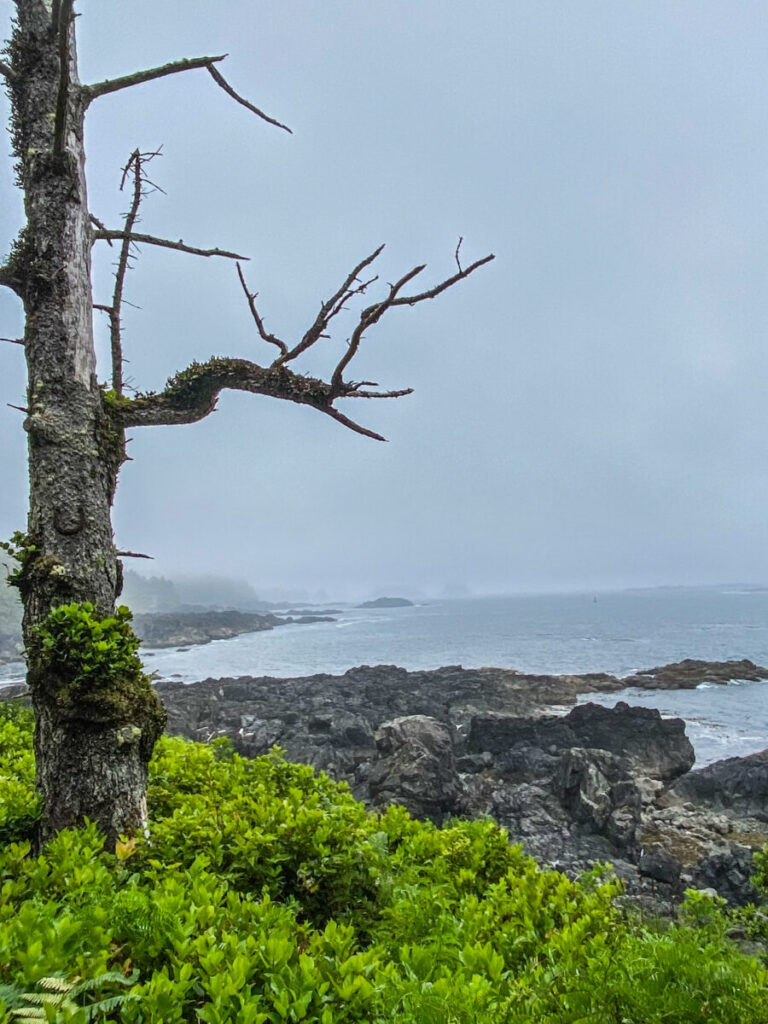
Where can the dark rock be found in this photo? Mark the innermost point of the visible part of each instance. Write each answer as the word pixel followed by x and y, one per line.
pixel 737 784
pixel 183 629
pixel 658 744
pixel 416 768
pixel 387 602
pixel 524 763
pixel 597 790
pixel 660 866
pixel 690 673
pixel 728 872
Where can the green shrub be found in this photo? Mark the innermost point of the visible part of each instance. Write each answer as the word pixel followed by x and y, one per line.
pixel 19 805
pixel 266 894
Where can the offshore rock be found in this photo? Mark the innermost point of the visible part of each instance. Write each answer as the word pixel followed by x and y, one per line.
pixel 690 673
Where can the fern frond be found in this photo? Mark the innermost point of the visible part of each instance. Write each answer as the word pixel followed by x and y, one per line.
pixel 106 1006
pixel 57 984
pixel 10 995
pixel 107 978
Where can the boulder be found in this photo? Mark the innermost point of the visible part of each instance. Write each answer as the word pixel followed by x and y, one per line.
pixel 598 791
pixel 658 745
pixel 415 767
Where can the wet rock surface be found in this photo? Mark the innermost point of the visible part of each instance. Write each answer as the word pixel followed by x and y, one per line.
pixel 574 785
pixel 690 673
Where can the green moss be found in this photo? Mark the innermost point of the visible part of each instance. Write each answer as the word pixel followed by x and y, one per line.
pixel 110 435
pixel 89 667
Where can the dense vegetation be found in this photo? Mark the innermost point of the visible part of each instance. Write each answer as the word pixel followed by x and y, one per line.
pixel 266 893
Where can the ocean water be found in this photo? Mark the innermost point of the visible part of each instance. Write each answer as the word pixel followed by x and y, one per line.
pixel 618 632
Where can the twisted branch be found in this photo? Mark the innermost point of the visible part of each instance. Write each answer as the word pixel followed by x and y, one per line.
pixel 251 299
pixel 334 306
pixel 192 394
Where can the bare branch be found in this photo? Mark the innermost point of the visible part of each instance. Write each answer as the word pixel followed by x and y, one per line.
pixel 411 300
pixel 7 71
pixel 14 341
pixel 62 97
pixel 122 266
pixel 369 316
pixel 134 554
pixel 352 390
pixel 263 333
pixel 165 243
pixel 456 254
pixel 18 408
pixel 91 92
pixel 352 425
pixel 192 394
pixel 99 224
pixel 221 81
pixel 332 307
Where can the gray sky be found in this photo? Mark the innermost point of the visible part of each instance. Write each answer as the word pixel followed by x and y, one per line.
pixel 589 410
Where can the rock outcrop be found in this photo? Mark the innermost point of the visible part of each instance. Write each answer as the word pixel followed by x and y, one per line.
pixel 415 767
pixel 387 602
pixel 658 746
pixel 737 785
pixel 188 629
pixel 690 673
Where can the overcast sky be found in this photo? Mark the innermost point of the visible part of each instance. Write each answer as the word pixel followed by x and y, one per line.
pixel 589 411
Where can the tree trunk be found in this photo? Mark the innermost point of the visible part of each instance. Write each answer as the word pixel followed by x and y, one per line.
pixel 91 759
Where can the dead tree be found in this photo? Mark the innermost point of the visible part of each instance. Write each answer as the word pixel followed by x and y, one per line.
pixel 92 750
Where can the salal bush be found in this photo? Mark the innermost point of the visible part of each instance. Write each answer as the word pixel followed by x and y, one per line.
pixel 266 894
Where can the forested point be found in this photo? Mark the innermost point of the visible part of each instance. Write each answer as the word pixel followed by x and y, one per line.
pixel 268 894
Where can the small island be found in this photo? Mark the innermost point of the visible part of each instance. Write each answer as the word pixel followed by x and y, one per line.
pixel 387 602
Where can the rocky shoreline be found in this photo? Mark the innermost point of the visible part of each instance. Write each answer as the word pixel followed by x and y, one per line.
pixel 159 630
pixel 189 629
pixel 595 784
pixel 573 786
